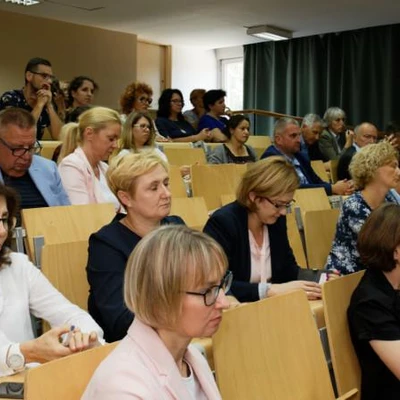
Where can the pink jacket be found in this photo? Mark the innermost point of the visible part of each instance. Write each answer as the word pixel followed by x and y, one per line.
pixel 141 367
pixel 79 180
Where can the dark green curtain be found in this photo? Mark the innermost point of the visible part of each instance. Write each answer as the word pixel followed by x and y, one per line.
pixel 358 71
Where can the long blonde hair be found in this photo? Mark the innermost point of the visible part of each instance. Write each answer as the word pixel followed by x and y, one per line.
pixel 72 134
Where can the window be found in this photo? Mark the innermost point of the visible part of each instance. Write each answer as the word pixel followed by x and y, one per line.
pixel 231 73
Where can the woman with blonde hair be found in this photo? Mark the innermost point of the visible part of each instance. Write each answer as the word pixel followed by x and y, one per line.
pixel 375 171
pixel 175 283
pixel 86 145
pixel 252 231
pixel 140 182
pixel 138 133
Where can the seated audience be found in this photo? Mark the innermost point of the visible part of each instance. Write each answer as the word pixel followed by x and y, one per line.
pixel 25 290
pixel 175 283
pixel 171 122
pixel 140 181
pixel 311 129
pixel 193 116
pixel 374 314
pixel 138 97
pixel 375 170
pixel 34 178
pixel 235 150
pixel 287 140
pixel 138 134
pixel 364 134
pixel 252 232
pixel 335 139
pixel 81 91
pixel 86 145
pixel 214 104
pixel 36 97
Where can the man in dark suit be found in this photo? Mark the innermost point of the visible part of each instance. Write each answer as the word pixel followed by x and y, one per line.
pixel 287 138
pixel 311 129
pixel 364 134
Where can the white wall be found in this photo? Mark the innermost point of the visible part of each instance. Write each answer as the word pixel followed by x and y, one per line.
pixel 193 68
pixel 229 52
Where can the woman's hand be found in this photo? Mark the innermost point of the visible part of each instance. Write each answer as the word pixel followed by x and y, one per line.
pixel 204 135
pixel 312 289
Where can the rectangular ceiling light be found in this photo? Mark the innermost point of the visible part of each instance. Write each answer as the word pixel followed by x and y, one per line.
pixel 23 2
pixel 269 32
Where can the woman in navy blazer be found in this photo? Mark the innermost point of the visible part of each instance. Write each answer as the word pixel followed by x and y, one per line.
pixel 256 222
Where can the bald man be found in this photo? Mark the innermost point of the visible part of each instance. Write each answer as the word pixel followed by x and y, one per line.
pixel 364 134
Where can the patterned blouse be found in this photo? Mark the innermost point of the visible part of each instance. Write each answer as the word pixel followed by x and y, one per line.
pixel 344 255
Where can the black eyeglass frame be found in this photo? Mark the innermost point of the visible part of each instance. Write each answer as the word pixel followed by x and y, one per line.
pixel 35 149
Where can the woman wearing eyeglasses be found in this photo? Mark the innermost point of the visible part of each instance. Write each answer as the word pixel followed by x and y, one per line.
pixel 252 231
pixel 138 134
pixel 172 124
pixel 175 283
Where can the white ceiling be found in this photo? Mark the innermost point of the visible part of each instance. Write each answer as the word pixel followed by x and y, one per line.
pixel 215 23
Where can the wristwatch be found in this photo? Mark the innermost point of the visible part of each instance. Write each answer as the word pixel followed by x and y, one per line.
pixel 14 358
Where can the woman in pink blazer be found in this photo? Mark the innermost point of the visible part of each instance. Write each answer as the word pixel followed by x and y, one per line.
pixel 175 283
pixel 86 145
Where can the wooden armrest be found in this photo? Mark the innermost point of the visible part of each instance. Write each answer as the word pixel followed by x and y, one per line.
pixel 348 395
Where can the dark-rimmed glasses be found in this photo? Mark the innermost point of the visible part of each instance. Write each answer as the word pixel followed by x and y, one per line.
pixel 44 75
pixel 145 100
pixel 280 206
pixel 21 151
pixel 210 295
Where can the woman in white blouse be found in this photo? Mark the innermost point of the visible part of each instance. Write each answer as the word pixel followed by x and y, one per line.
pixel 86 145
pixel 138 133
pixel 24 290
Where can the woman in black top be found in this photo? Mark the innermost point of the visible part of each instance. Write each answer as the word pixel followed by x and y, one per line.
pixel 140 181
pixel 374 312
pixel 170 121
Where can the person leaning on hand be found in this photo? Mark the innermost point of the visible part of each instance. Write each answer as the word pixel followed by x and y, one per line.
pixel 25 290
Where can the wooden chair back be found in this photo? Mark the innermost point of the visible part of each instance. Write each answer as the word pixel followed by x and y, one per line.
pixel 176 182
pixel 337 294
pixel 271 349
pixel 212 181
pixel 319 169
pixel 65 224
pixel 65 378
pixel 295 240
pixel 333 168
pixel 185 156
pixel 227 198
pixel 319 232
pixel 312 199
pixel 259 141
pixel 48 147
pixel 192 210
pixel 64 265
pixel 175 145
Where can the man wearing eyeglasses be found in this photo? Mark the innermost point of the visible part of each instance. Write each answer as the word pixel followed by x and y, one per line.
pixel 364 134
pixel 36 97
pixel 35 179
pixel 287 141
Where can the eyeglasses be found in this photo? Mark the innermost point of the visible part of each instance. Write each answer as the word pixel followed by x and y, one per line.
pixel 280 206
pixel 176 101
pixel 145 100
pixel 142 126
pixel 4 221
pixel 21 151
pixel 211 294
pixel 47 77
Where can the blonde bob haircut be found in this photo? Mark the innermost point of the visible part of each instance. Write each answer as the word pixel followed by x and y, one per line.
pixel 127 141
pixel 166 263
pixel 124 171
pixel 365 163
pixel 96 118
pixel 271 177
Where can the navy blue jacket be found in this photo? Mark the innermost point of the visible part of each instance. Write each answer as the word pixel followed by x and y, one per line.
pixel 314 180
pixel 109 250
pixel 229 227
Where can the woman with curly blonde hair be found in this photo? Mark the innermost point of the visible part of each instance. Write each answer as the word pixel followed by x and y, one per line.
pixel 375 171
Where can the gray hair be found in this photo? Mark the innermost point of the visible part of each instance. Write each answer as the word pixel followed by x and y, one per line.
pixel 333 113
pixel 282 123
pixel 311 119
pixel 362 126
